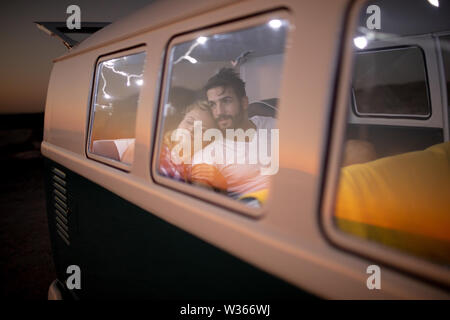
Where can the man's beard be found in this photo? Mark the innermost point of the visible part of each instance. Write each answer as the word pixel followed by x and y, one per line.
pixel 235 121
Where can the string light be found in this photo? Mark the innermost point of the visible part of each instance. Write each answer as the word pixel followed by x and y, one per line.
pixel 107 96
pixel 110 65
pixel 186 56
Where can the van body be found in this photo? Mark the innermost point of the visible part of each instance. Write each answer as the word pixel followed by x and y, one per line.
pixel 135 233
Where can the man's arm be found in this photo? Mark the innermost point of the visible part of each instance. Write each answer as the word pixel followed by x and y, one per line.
pixel 208 174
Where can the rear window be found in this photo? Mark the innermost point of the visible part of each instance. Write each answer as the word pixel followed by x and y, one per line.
pixel 118 82
pixel 391 82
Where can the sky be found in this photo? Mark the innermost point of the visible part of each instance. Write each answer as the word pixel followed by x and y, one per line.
pixel 27 52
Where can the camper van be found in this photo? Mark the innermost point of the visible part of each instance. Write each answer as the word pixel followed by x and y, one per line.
pixel 253 150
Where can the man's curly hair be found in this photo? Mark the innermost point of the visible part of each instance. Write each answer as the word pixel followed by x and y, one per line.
pixel 227 78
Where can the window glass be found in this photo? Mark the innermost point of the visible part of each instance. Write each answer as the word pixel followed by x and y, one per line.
pixel 113 114
pixel 394 181
pixel 219 112
pixel 391 82
pixel 445 50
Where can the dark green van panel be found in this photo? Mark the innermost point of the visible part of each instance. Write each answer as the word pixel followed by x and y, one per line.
pixel 126 252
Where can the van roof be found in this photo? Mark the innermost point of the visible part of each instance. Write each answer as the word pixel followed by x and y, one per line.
pixel 154 15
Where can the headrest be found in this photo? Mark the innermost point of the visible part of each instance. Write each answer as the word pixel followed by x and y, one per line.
pixel 265 108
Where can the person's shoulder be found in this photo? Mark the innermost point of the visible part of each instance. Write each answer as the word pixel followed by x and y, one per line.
pixel 262 122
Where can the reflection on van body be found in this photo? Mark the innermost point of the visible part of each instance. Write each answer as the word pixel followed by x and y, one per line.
pixel 220 150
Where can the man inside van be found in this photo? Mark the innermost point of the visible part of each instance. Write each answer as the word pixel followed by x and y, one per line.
pixel 230 163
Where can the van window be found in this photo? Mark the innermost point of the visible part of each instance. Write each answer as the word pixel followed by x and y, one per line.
pixel 118 82
pixel 394 178
pixel 391 82
pixel 445 51
pixel 218 122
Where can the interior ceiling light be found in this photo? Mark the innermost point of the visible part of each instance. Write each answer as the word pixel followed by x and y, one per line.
pixel 275 23
pixel 434 2
pixel 202 40
pixel 360 42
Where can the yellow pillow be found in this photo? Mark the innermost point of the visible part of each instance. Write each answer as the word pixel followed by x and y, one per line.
pixel 409 192
pixel 260 195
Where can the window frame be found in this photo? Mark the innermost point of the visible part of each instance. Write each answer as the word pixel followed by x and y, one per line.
pixel 340 116
pixel 433 83
pixel 443 80
pixel 197 192
pixel 393 115
pixel 93 96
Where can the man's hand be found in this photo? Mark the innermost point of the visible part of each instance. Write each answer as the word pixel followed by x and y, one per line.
pixel 209 175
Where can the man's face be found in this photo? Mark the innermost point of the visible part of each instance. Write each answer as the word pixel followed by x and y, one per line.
pixel 226 108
